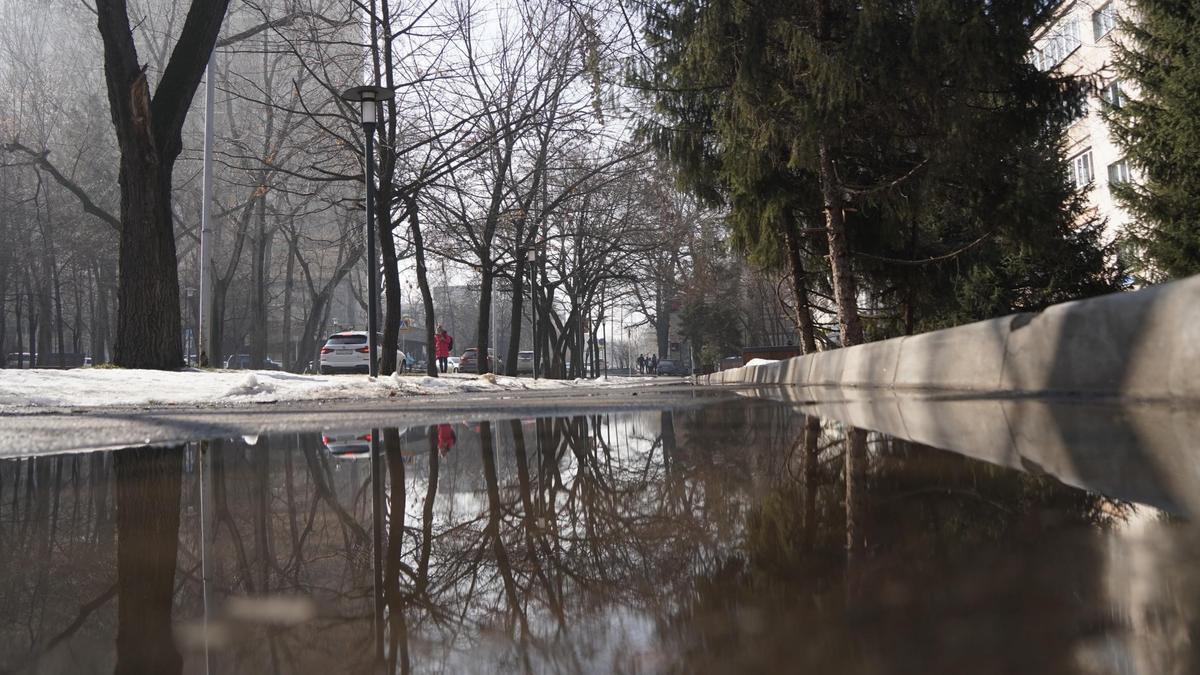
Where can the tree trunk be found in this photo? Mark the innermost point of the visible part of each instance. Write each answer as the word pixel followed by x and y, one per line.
pixel 32 321
pixel 485 314
pixel 515 318
pixel 258 292
pixel 804 322
pixel 414 225
pixel 148 313
pixel 77 290
pixel 104 297
pixel 393 301
pixel 845 288
pixel 4 273
pixel 149 136
pixel 216 322
pixel 289 355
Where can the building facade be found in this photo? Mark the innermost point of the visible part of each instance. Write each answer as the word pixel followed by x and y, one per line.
pixel 1079 40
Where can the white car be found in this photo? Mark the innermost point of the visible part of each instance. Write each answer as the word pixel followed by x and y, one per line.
pixel 348 352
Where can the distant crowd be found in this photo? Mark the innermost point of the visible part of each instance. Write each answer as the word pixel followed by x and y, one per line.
pixel 647 365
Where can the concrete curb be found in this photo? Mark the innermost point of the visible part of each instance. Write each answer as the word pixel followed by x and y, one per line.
pixel 1141 344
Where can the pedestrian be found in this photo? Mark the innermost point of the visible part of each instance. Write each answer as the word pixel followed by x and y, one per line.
pixel 641 364
pixel 654 364
pixel 442 344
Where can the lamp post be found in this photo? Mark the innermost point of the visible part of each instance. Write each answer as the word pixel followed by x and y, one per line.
pixel 368 97
pixel 194 341
pixel 531 258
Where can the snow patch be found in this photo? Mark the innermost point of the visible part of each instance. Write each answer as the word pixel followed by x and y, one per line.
pixel 760 362
pixel 23 389
pixel 249 386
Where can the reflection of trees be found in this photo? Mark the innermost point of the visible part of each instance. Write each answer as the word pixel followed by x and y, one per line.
pixel 553 545
pixel 80 531
pixel 570 515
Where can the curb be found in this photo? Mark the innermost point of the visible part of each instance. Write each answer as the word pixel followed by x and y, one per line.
pixel 1142 344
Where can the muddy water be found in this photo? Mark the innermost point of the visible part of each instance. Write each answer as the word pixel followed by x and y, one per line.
pixel 739 537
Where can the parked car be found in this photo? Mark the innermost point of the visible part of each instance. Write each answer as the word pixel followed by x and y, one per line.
pixel 671 367
pixel 243 361
pixel 467 363
pixel 348 352
pixel 524 363
pixel 452 364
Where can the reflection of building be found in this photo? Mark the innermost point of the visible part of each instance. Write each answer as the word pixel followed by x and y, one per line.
pixel 1078 40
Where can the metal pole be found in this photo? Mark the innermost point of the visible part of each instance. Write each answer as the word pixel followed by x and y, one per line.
pixel 491 365
pixel 372 263
pixel 206 215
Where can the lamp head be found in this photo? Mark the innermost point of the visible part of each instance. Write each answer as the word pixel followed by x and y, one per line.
pixel 368 97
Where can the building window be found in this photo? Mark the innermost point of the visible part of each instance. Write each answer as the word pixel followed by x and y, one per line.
pixel 1118 172
pixel 1103 21
pixel 1081 169
pixel 1058 44
pixel 1112 94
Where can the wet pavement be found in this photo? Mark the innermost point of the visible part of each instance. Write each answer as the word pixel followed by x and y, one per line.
pixel 757 534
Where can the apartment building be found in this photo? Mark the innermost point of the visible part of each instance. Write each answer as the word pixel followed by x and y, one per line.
pixel 1078 40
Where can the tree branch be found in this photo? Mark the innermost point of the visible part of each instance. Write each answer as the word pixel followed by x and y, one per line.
pixel 42 160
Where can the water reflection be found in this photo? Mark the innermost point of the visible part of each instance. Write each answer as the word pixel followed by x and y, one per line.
pixel 740 538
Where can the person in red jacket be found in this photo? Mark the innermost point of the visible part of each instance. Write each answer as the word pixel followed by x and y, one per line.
pixel 442 344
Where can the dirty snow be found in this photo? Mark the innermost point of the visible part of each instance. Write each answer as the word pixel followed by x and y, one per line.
pixel 88 387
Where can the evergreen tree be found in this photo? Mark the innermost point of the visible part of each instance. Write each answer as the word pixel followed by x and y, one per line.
pixel 914 136
pixel 1158 127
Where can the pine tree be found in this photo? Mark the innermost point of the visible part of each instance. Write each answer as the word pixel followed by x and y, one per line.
pixel 1156 121
pixel 914 135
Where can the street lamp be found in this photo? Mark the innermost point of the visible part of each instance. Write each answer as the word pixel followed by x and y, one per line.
pixel 531 258
pixel 368 97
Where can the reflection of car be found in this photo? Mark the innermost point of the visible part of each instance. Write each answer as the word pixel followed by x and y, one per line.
pixel 243 361
pixel 670 367
pixel 348 444
pixel 467 363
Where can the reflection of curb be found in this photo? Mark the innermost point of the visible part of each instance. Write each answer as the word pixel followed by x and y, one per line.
pixel 1141 344
pixel 1137 452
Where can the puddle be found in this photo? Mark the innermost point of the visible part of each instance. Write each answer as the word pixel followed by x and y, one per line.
pixel 742 536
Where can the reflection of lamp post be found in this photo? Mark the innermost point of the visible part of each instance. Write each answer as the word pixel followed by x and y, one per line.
pixel 531 258
pixel 369 97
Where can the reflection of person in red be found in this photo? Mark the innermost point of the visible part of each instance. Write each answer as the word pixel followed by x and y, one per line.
pixel 445 439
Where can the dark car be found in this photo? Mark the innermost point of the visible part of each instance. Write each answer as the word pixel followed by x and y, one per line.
pixel 467 362
pixel 670 367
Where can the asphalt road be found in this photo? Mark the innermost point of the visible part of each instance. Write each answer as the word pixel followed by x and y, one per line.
pixel 44 431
